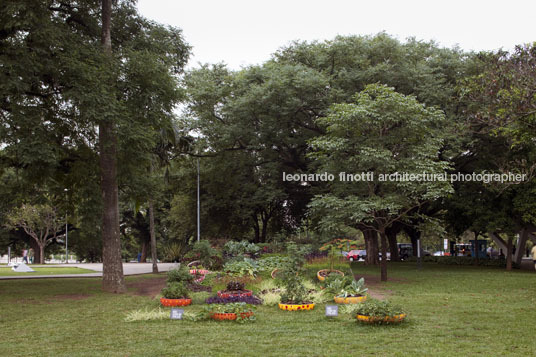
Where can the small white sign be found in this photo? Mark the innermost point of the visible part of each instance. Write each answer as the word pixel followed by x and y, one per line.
pixel 176 314
pixel 445 244
pixel 332 310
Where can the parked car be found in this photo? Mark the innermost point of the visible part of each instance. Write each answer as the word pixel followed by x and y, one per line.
pixel 356 254
pixel 441 253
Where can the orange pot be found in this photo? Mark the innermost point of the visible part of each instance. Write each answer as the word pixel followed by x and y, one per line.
pixel 175 302
pixel 229 315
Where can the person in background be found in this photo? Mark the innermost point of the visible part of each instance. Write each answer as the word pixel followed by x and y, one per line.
pixel 25 256
pixel 31 255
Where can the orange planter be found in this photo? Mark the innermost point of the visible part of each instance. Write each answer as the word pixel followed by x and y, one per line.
pixel 229 316
pixel 350 299
pixel 296 307
pixel 175 302
pixel 376 319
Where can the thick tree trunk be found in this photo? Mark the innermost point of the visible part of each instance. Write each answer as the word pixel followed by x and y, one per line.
pixel 371 246
pixel 256 229
pixel 37 250
pixel 41 253
pixel 414 236
pixel 383 264
pixel 509 254
pixel 393 248
pixel 112 266
pixel 153 237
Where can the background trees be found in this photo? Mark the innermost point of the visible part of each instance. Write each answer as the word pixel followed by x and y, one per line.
pixel 247 128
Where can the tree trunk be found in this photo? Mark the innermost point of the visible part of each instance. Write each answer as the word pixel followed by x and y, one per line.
pixel 112 266
pixel 36 249
pixel 371 246
pixel 41 253
pixel 393 248
pixel 256 229
pixel 153 237
pixel 509 254
pixel 264 230
pixel 414 235
pixel 477 252
pixel 144 248
pixel 383 265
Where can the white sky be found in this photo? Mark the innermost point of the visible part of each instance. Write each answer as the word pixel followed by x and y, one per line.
pixel 242 32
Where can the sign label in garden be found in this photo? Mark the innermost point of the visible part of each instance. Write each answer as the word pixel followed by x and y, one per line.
pixel 176 314
pixel 332 310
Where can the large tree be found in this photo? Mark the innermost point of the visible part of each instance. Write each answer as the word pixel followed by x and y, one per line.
pixel 51 115
pixel 381 133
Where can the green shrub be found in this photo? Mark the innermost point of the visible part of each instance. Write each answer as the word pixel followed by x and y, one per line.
pixel 345 287
pixel 376 308
pixel 174 252
pixel 235 249
pixel 175 291
pixel 179 275
pixel 241 267
pixel 203 252
pixel 294 290
pixel 461 261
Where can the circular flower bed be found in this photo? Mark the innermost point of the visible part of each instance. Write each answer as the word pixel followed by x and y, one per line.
pixel 175 302
pixel 350 299
pixel 378 319
pixel 324 273
pixel 230 315
pixel 296 307
pixel 229 294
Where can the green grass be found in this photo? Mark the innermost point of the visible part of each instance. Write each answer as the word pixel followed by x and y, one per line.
pixel 452 311
pixel 45 271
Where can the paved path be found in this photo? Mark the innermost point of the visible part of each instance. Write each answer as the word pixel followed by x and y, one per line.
pixel 128 269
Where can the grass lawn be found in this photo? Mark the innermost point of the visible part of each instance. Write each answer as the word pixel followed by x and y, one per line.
pixel 452 311
pixel 45 271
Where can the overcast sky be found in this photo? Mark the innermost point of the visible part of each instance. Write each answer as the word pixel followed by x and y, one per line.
pixel 243 32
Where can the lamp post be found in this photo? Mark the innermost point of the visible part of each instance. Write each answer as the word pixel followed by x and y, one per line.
pixel 198 205
pixel 66 235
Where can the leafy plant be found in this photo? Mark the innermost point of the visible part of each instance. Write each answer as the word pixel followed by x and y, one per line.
pixel 241 309
pixel 295 292
pixel 235 249
pixel 179 275
pixel 234 285
pixel 271 263
pixel 175 291
pixel 204 252
pixel 345 287
pixel 376 308
pixel 174 252
pixel 241 267
pixel 356 288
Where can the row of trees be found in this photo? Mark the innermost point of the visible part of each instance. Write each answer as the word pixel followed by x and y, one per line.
pixel 87 127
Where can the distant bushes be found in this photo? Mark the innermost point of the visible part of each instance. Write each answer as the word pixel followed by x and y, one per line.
pixel 461 261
